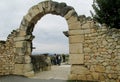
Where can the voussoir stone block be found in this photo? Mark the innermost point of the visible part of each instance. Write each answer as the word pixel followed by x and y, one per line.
pixel 25 23
pixel 28 17
pixel 76 58
pixel 23 28
pixel 45 7
pixel 76 48
pixel 34 11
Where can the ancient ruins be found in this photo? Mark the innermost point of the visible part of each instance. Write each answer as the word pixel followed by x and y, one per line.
pixel 94 50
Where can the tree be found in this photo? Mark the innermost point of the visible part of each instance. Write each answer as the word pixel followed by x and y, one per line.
pixel 107 12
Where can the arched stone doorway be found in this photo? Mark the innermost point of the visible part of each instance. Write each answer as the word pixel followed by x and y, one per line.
pixel 24 37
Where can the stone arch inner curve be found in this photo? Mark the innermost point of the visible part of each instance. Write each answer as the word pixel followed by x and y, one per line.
pixel 24 37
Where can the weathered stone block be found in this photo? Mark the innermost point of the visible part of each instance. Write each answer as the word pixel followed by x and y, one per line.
pixel 77 69
pixel 87 31
pixel 20 44
pixel 19 38
pixel 27 59
pixel 19 69
pixel 72 77
pixel 104 42
pixel 22 33
pixel 75 25
pixel 72 19
pixel 28 67
pixel 24 23
pixel 19 59
pixel 86 25
pixel 76 32
pixel 87 50
pixel 99 68
pixel 76 48
pixel 101 77
pixel 40 7
pixel 89 77
pixel 46 4
pixel 110 76
pixel 95 75
pixel 28 17
pixel 87 57
pixel 21 53
pixel 92 69
pixel 81 77
pixel 29 50
pixel 29 74
pixel 76 59
pixel 76 39
pixel 34 11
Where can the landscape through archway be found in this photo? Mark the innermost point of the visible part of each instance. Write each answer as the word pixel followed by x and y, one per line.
pixel 49 37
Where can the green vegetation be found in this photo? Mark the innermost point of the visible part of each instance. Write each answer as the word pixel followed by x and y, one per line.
pixel 107 12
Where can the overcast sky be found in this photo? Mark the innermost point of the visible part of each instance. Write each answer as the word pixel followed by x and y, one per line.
pixel 48 31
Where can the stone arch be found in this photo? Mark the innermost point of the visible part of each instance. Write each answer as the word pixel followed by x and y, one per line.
pixel 24 37
pixel 39 10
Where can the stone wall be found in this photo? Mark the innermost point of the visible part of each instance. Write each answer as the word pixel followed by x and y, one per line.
pixel 7 55
pixel 95 52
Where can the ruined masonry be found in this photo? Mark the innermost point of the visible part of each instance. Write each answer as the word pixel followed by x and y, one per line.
pixel 94 50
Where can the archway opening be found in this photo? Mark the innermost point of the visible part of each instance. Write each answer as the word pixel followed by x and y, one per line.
pixel 49 40
pixel 49 37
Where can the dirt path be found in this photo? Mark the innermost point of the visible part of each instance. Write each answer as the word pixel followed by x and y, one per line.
pixel 57 72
